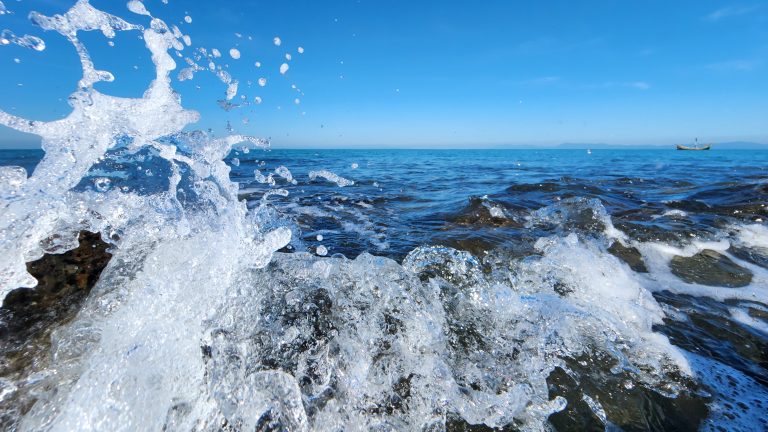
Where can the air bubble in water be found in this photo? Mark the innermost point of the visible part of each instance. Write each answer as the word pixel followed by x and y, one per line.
pixel 102 184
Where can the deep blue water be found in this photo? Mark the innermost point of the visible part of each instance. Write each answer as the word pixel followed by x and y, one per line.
pixel 405 198
pixel 416 196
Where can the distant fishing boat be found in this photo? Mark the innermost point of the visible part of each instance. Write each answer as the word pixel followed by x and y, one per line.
pixel 695 146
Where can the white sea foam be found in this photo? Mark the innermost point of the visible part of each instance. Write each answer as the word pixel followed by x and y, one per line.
pixel 753 235
pixel 658 256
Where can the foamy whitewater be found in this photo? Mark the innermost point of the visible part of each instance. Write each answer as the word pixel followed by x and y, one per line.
pixel 198 323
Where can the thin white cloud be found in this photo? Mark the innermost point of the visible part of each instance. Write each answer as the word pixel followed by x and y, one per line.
pixel 646 52
pixel 542 80
pixel 742 65
pixel 638 85
pixel 730 11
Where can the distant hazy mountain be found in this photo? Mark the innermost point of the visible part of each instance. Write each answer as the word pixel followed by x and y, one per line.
pixel 742 145
pixel 732 145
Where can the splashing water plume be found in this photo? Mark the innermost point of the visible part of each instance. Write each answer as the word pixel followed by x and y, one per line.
pixel 199 323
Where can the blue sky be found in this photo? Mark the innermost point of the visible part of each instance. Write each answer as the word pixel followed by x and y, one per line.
pixel 436 73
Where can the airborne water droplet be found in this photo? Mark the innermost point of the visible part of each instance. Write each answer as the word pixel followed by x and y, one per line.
pixel 234 53
pixel 284 68
pixel 321 250
pixel 277 41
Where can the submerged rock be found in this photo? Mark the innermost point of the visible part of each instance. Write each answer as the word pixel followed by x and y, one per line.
pixel 710 268
pixel 629 255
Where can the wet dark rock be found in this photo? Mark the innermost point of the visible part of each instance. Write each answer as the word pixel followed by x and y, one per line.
pixel 710 268
pixel 29 315
pixel 751 255
pixel 627 404
pixel 455 423
pixel 629 255
pixel 710 331
pixel 478 213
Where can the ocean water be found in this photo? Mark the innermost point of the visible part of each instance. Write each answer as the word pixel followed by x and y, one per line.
pixel 156 277
pixel 683 232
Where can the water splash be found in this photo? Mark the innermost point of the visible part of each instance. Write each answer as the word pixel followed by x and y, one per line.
pixel 191 207
pixel 331 177
pixel 196 323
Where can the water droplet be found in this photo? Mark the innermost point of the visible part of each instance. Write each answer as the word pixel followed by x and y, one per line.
pixel 321 250
pixel 277 41
pixel 262 82
pixel 188 19
pixel 234 53
pixel 319 237
pixel 284 68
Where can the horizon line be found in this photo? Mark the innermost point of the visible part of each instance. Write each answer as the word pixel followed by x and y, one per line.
pixel 563 146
